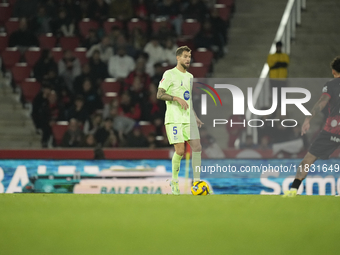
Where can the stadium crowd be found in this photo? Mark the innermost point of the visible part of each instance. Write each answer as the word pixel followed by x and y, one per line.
pixel 133 56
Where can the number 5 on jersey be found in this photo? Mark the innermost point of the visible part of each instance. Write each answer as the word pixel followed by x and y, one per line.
pixel 175 130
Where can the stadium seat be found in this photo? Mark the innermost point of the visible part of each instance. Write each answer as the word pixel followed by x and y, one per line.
pixel 5 13
pixel 133 23
pixel 166 67
pixel 190 27
pixel 69 43
pixel 147 128
pixel 10 56
pixel 57 54
pixel 158 23
pixel 80 53
pixel 198 70
pixel 3 41
pixel 59 130
pixel 186 42
pixel 111 23
pixel 32 55
pixel 12 25
pixel 20 72
pixel 47 41
pixel 85 25
pixel 108 97
pixel 223 11
pixel 203 55
pixel 29 89
pixel 110 85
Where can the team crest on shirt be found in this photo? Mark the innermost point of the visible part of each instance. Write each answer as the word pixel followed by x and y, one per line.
pixel 324 89
pixel 186 95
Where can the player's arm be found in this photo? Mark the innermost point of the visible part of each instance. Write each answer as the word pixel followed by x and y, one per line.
pixel 322 102
pixel 162 95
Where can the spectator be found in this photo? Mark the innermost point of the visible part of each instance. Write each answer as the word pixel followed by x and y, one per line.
pixel 90 141
pixel 77 110
pixel 141 9
pixel 165 31
pixel 104 48
pixel 220 27
pixel 91 98
pixel 234 130
pixel 112 141
pixel 152 142
pixel 120 65
pixel 86 73
pixel 98 68
pixel 278 73
pixel 209 145
pixel 91 39
pixel 121 124
pixel 157 77
pixel 249 144
pixel 207 38
pixel 75 9
pixel 155 51
pixel 104 132
pixel 152 108
pixel 69 68
pixel 25 8
pixel 128 108
pixel 74 136
pixel 39 101
pixel 93 124
pixel 264 143
pixel 170 52
pixel 64 25
pixel 42 22
pixel 23 37
pixel 121 10
pixel 196 9
pixel 136 138
pixel 56 82
pixel 113 35
pixel 98 10
pixel 44 65
pixel 138 39
pixel 51 112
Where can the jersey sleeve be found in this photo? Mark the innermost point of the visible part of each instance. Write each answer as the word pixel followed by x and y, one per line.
pixel 166 81
pixel 327 90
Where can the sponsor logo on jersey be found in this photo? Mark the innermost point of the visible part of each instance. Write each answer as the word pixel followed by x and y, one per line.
pixel 186 95
pixel 335 139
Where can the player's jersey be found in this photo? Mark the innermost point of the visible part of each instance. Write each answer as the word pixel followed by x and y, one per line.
pixel 177 84
pixel 332 89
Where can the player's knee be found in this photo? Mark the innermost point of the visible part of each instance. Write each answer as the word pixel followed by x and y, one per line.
pixel 197 147
pixel 180 152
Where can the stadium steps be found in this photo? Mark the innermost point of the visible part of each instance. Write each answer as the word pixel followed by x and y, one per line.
pixel 16 127
pixel 252 30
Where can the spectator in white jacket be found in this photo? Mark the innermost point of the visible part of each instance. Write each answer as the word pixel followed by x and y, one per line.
pixel 155 51
pixel 121 65
pixel 104 48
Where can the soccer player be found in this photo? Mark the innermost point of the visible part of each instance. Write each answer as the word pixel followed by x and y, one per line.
pixel 328 139
pixel 181 121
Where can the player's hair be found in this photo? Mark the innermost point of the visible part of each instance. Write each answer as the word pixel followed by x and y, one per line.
pixel 180 50
pixel 335 64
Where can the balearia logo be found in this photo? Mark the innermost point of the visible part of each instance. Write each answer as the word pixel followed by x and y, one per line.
pixel 238 104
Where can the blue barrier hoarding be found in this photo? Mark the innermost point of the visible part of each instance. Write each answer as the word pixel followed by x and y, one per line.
pixel 232 176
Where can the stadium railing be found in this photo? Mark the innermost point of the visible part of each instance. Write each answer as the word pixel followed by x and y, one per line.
pixel 286 32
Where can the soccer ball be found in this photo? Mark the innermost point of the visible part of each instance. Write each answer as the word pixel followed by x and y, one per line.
pixel 200 188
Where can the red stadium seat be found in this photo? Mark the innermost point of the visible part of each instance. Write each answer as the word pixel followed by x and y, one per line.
pixel 158 23
pixel 32 55
pixel 3 41
pixel 29 89
pixel 223 11
pixel 198 70
pixel 110 85
pixel 12 25
pixel 12 2
pixel 203 55
pixel 111 23
pixel 80 53
pixel 47 41
pixel 57 54
pixel 69 43
pixel 133 23
pixel 5 13
pixel 108 97
pixel 85 25
pixel 59 130
pixel 146 127
pixel 20 72
pixel 10 56
pixel 190 27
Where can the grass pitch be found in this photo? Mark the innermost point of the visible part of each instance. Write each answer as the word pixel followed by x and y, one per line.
pixel 166 224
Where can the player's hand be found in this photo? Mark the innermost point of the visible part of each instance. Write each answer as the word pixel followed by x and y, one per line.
pixel 183 104
pixel 305 127
pixel 199 122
